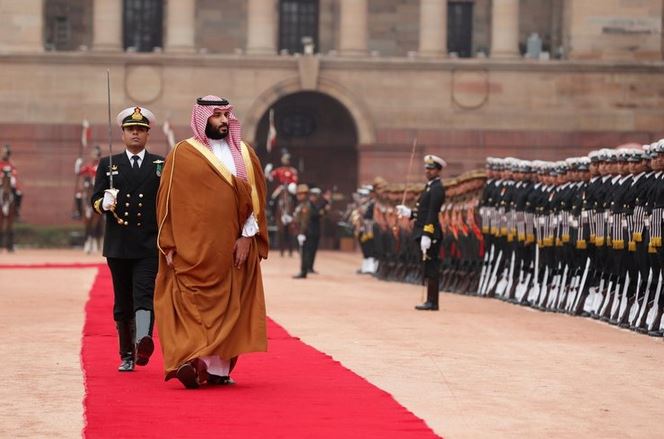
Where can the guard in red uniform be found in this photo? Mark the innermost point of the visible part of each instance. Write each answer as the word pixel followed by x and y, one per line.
pixel 85 173
pixel 6 162
pixel 284 174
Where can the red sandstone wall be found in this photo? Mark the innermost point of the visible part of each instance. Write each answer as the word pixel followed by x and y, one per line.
pixel 45 155
pixel 466 150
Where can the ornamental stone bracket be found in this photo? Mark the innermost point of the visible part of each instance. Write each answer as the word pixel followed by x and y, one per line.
pixel 309 68
pixel 143 83
pixel 470 89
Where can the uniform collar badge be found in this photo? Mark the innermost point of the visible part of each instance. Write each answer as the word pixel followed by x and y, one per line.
pixel 159 167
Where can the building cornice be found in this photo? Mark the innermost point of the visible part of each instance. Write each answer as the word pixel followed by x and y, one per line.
pixel 328 62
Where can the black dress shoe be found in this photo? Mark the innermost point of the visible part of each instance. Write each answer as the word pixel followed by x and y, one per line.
pixel 188 376
pixel 127 365
pixel 426 306
pixel 144 348
pixel 217 380
pixel 300 276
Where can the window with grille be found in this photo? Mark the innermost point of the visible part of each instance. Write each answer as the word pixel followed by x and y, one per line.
pixel 61 31
pixel 460 28
pixel 143 25
pixel 67 24
pixel 297 123
pixel 297 19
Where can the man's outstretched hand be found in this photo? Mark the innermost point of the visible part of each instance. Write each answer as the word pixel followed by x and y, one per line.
pixel 241 251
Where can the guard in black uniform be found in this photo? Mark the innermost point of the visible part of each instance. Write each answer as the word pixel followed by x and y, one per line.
pixel 427 228
pixel 130 244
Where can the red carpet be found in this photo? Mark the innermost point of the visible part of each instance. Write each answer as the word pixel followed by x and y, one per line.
pixel 293 391
pixel 49 265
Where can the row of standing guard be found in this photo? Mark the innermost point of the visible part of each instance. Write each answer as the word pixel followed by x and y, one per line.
pixel 390 250
pixel 581 236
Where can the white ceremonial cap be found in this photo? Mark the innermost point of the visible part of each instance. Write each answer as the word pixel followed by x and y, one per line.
pixel 433 161
pixel 135 116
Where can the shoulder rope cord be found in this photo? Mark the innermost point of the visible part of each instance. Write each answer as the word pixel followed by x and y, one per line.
pixel 599 228
pixel 530 226
pixel 615 226
pixel 587 216
pixel 168 199
pixel 638 221
pixel 656 227
pixel 520 225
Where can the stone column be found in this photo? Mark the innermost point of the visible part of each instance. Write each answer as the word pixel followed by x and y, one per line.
pixel 22 26
pixel 262 24
pixel 505 29
pixel 433 28
pixel 107 25
pixel 353 27
pixel 180 26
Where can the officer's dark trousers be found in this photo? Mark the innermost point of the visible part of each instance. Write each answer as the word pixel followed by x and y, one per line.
pixel 432 271
pixel 308 254
pixel 368 248
pixel 315 241
pixel 133 285
pixel 285 240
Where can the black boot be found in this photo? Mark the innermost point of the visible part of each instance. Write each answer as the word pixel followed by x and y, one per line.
pixel 432 296
pixel 77 214
pixel 126 335
pixel 144 342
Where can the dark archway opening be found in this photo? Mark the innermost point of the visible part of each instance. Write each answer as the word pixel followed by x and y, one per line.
pixel 321 137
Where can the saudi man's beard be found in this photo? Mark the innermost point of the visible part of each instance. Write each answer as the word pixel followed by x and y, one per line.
pixel 213 133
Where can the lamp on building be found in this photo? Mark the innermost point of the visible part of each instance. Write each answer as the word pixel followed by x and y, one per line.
pixel 533 46
pixel 308 45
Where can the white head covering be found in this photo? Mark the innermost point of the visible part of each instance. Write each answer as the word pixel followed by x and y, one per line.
pixel 136 116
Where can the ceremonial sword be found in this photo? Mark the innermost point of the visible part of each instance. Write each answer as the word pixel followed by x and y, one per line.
pixel 111 189
pixel 405 190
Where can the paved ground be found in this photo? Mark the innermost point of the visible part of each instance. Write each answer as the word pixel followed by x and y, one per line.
pixel 478 368
pixel 41 318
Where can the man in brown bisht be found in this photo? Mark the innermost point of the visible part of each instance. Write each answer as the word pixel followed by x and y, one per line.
pixel 208 299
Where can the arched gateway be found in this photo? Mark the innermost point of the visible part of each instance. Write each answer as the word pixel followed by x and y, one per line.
pixel 319 133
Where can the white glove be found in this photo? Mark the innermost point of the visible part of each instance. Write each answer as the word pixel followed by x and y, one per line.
pixel 286 219
pixel 425 243
pixel 268 170
pixel 300 239
pixel 110 199
pixel 404 211
pixel 77 165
